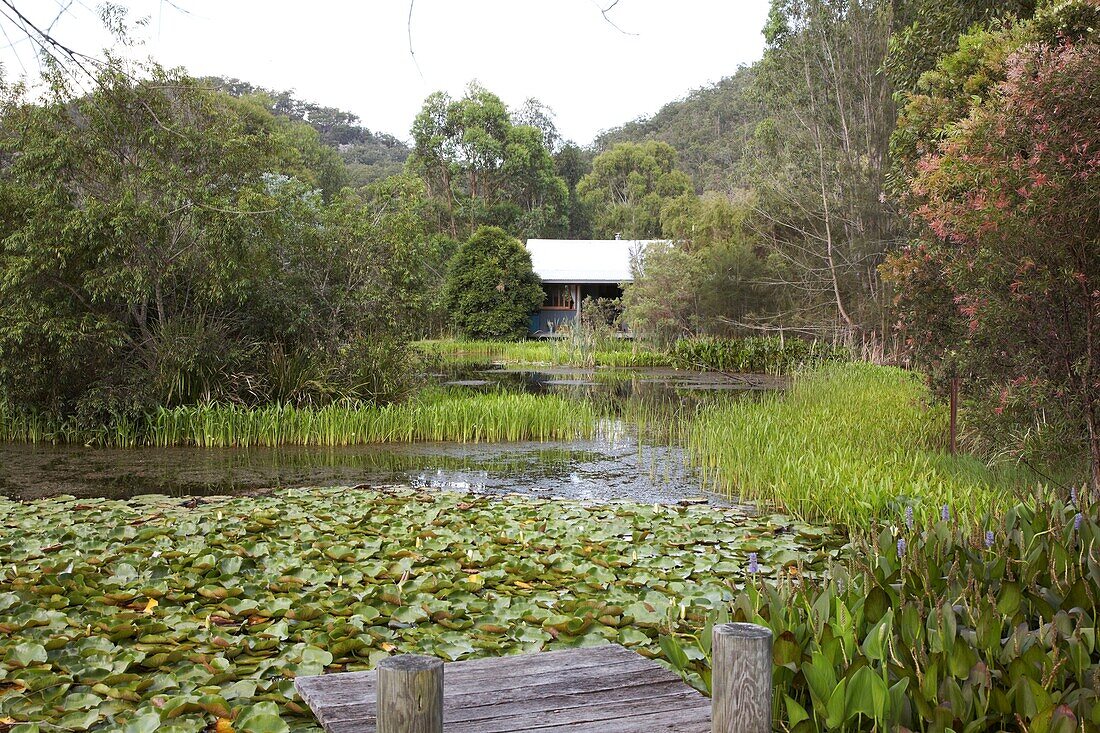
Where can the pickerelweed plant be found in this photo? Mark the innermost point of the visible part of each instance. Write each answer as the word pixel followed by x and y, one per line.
pixel 944 626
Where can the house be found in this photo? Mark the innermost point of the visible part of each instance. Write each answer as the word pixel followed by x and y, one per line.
pixel 574 269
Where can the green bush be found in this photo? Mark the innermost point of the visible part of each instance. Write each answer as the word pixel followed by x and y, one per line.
pixel 757 354
pixel 491 290
pixel 941 627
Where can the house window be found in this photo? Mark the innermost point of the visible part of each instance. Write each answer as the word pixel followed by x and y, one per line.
pixel 559 296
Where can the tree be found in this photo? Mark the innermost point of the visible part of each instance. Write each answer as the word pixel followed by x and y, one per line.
pixel 572 163
pixel 628 185
pixel 491 290
pixel 1008 195
pixel 480 167
pixel 927 30
pixel 160 241
pixel 821 158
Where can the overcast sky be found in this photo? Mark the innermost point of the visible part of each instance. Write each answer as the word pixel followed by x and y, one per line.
pixel 355 55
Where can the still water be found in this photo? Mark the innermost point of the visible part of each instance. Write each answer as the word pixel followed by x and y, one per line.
pixel 617 463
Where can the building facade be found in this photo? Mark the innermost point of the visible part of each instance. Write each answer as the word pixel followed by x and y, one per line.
pixel 572 270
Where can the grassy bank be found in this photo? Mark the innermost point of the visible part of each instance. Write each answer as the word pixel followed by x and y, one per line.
pixel 162 614
pixel 434 415
pixel 847 443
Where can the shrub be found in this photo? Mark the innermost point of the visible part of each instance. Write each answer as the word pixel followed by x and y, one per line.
pixel 491 289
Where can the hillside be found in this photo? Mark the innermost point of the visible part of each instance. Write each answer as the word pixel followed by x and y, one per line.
pixel 369 156
pixel 709 128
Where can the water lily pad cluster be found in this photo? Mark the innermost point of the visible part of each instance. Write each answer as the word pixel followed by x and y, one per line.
pixel 188 615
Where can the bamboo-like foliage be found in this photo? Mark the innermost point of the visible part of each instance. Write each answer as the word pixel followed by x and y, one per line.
pixel 434 416
pixel 847 443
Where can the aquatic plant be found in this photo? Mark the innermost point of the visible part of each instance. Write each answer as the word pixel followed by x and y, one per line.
pixel 553 352
pixel 848 443
pixel 955 636
pixel 754 354
pixel 175 616
pixel 435 415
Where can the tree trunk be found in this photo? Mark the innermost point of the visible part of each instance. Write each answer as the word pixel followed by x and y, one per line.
pixel 1094 444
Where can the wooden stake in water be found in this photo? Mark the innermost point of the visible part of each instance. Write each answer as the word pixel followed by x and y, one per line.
pixel 741 679
pixel 410 694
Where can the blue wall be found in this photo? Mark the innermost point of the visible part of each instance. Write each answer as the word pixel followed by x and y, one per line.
pixel 540 322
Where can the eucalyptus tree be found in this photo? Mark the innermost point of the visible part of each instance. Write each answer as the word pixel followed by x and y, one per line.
pixel 821 156
pixel 627 187
pixel 482 168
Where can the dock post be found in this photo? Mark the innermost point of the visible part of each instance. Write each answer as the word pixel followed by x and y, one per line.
pixel 410 694
pixel 741 679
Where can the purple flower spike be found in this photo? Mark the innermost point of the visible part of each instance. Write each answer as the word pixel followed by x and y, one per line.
pixel 901 547
pixel 945 513
pixel 754 567
pixel 1077 522
pixel 909 517
pixel 989 538
pixel 1073 495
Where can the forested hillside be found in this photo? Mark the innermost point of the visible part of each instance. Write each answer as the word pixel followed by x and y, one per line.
pixel 369 156
pixel 710 128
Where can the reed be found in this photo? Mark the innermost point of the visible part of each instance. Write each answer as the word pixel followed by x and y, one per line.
pixel 754 354
pixel 552 352
pixel 847 443
pixel 435 415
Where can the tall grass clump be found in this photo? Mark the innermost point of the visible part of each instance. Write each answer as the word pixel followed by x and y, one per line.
pixel 550 352
pixel 754 354
pixel 435 415
pixel 847 443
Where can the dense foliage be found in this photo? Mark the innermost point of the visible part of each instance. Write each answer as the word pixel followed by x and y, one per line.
pixel 754 354
pixel 938 625
pixel 1001 286
pixel 627 187
pixel 429 416
pixel 161 243
pixel 710 129
pixel 368 156
pixel 491 290
pixel 482 167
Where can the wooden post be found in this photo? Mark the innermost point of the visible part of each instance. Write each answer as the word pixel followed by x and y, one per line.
pixel 741 679
pixel 410 694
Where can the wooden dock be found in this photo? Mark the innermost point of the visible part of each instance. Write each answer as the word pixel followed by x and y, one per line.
pixel 608 689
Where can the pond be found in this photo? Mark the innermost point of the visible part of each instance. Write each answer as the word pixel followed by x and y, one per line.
pixel 621 462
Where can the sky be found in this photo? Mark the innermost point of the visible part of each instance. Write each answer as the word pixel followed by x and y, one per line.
pixel 354 54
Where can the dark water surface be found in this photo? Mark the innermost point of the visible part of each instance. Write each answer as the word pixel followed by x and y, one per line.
pixel 616 464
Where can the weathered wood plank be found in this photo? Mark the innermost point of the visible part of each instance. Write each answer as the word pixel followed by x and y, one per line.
pixel 591 716
pixel 515 666
pixel 608 689
pixel 684 720
pixel 485 701
pixel 468 687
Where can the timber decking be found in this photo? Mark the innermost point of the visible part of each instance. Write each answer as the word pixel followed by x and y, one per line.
pixel 607 689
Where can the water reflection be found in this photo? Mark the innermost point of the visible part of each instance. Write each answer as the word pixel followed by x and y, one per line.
pixel 632 456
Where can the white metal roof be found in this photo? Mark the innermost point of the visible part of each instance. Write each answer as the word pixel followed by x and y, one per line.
pixel 584 260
